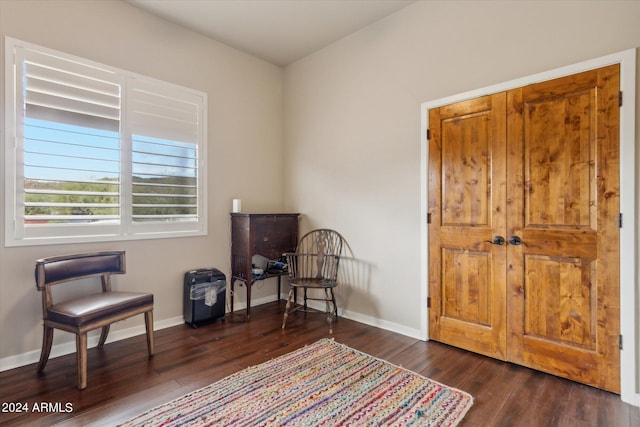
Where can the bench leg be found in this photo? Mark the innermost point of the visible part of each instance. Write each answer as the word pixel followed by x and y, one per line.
pixel 103 336
pixel 47 340
pixel 81 354
pixel 148 323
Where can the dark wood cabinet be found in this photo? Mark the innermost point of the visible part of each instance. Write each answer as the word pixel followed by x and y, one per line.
pixel 269 235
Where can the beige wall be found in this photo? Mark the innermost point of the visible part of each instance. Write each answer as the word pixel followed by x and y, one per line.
pixel 245 141
pixel 351 153
pixel 352 120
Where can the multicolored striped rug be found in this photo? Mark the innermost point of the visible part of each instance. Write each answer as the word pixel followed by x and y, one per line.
pixel 322 384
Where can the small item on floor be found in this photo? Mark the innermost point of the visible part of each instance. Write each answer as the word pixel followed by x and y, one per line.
pixel 204 296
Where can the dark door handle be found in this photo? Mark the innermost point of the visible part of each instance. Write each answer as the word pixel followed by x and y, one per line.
pixel 515 241
pixel 498 240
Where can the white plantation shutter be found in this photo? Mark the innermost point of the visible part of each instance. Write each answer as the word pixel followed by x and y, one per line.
pixel 164 127
pixel 96 153
pixel 66 91
pixel 160 111
pixel 71 146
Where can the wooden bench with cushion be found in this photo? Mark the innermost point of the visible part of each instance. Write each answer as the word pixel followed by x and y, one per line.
pixel 86 313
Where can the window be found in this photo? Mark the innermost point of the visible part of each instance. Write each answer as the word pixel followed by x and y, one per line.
pixel 94 153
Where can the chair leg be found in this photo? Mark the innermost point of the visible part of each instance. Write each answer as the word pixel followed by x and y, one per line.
pixel 328 309
pixel 81 355
pixel 148 323
pixel 103 336
pixel 47 340
pixel 286 309
pixel 335 306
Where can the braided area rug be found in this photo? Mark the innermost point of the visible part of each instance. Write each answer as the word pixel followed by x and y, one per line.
pixel 322 384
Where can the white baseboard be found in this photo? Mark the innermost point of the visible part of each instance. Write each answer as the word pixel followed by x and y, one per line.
pixel 241 305
pixel 371 321
pixel 632 399
pixel 62 349
pixel 382 324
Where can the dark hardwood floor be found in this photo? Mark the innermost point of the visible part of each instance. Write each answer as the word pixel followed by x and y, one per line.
pixel 123 382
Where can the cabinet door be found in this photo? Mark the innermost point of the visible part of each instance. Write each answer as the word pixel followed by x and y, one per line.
pixel 275 234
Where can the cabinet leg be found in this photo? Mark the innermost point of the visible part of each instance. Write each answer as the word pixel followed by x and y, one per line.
pixel 248 299
pixel 231 292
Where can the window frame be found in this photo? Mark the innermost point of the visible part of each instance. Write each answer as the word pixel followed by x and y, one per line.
pixel 19 234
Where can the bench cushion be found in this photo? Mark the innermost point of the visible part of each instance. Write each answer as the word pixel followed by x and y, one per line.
pixel 81 311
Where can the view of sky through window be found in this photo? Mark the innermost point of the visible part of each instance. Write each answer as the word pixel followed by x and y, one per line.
pixel 72 173
pixel 71 153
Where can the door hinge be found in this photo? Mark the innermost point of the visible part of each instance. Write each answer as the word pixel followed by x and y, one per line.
pixel 428 302
pixel 620 342
pixel 428 218
pixel 428 134
pixel 620 99
pixel 620 220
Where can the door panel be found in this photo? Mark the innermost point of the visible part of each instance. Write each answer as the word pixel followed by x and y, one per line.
pixel 559 161
pixel 563 303
pixel 467 183
pixel 465 296
pixel 569 300
pixel 540 164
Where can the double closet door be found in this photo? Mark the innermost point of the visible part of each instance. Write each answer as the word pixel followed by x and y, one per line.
pixel 524 230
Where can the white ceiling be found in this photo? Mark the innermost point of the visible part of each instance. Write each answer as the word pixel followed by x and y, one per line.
pixel 278 31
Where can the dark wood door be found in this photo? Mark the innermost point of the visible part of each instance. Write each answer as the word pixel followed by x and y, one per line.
pixel 552 188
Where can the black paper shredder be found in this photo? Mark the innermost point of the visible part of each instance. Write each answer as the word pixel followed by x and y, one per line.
pixel 205 292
